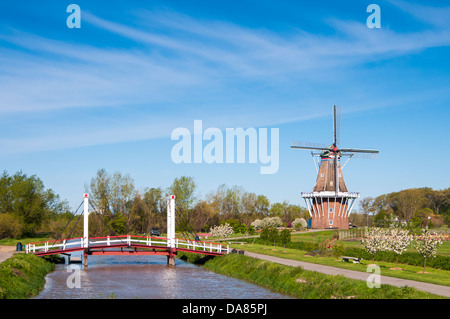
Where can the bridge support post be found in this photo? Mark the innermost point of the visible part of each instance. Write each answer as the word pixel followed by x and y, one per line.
pixel 171 230
pixel 171 258
pixel 85 259
pixel 86 221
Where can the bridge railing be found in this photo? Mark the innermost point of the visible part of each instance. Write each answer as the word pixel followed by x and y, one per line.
pixel 78 244
pixel 201 245
pixel 64 244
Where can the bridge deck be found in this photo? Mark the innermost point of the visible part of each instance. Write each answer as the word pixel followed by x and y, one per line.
pixel 126 244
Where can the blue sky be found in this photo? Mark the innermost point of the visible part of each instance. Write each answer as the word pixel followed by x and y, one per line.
pixel 108 95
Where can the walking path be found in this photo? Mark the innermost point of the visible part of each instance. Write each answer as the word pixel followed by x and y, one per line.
pixel 6 252
pixel 431 288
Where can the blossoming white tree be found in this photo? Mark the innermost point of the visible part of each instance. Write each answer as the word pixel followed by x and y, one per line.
pixel 398 241
pixel 256 223
pixel 374 241
pixel 267 222
pixel 300 221
pixel 427 244
pixel 224 230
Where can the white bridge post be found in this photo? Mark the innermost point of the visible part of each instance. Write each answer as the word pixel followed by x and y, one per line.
pixel 86 230
pixel 86 221
pixel 171 229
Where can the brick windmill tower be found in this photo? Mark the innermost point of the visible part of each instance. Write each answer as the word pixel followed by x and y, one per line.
pixel 330 203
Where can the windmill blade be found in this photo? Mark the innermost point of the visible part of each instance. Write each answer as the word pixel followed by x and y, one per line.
pixel 356 150
pixel 309 146
pixel 336 124
pixel 361 155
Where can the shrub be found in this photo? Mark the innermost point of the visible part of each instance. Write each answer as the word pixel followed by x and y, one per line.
pixel 10 226
pixel 285 237
pixel 273 235
pixel 338 249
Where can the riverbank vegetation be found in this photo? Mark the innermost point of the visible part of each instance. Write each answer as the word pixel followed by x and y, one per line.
pixel 404 271
pixel 23 276
pixel 303 284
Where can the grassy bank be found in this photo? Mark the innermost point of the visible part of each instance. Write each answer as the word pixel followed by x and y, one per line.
pixel 301 283
pixel 23 276
pixel 433 276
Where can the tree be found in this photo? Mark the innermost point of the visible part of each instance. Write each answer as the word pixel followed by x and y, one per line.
pixel 273 235
pixel 232 202
pixel 262 206
pixel 436 198
pixel 31 205
pixel 427 244
pixel 299 223
pixel 224 230
pixel 248 202
pixel 184 190
pixel 374 241
pixel 119 223
pixel 285 237
pixel 398 241
pixel 271 222
pixel 122 192
pixel 408 202
pixel 265 233
pixel 10 226
pixel 99 190
pixel 367 207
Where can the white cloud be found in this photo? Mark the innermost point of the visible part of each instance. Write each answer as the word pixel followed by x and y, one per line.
pixel 183 68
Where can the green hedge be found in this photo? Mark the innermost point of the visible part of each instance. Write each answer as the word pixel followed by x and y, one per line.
pixel 410 258
pixel 23 276
pixel 301 245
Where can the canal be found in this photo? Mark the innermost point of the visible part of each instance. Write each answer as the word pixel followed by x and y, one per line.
pixel 146 277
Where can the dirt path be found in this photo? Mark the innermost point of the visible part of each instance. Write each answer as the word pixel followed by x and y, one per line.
pixel 6 252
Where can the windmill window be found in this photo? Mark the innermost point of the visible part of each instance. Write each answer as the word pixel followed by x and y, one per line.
pixel 330 210
pixel 331 222
pixel 321 175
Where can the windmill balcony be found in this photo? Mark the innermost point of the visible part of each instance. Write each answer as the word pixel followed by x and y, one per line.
pixel 330 194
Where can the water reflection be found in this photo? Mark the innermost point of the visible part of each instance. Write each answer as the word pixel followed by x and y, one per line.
pixel 146 277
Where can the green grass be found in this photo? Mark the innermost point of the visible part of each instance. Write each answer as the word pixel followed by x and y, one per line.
pixel 304 284
pixel 24 241
pixel 435 276
pixel 23 276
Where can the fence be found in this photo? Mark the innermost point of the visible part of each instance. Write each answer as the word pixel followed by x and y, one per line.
pixel 351 233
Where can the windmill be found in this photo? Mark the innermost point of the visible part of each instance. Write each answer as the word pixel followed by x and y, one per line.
pixel 330 185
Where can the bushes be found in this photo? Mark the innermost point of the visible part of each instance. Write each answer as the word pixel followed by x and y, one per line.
pixel 10 226
pixel 22 276
pixel 306 246
pixel 410 258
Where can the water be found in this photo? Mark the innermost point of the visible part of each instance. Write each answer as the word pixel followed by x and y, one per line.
pixel 146 277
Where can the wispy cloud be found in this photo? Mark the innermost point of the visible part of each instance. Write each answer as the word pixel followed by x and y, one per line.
pixel 434 16
pixel 181 68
